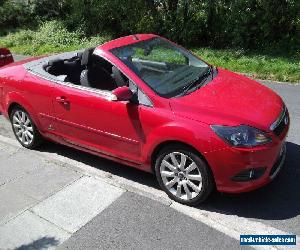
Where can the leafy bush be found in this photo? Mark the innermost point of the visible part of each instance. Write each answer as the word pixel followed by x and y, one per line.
pixel 44 10
pixel 246 24
pixel 13 14
pixel 50 37
pixel 249 24
pixel 56 34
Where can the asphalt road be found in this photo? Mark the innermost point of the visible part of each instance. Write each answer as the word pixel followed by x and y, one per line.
pixel 276 205
pixel 135 222
pixel 19 57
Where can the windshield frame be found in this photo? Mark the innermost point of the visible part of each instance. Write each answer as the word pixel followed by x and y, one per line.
pixel 117 52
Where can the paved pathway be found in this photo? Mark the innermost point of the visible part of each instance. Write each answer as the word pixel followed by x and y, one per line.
pixel 45 201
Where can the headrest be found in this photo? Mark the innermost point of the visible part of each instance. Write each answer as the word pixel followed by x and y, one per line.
pixel 55 62
pixel 54 66
pixel 86 56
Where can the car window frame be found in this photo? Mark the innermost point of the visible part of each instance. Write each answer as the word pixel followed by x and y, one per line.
pixel 183 50
pixel 106 94
pixel 150 104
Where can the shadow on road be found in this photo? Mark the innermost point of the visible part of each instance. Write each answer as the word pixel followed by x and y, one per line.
pixel 277 201
pixel 42 243
pixel 101 163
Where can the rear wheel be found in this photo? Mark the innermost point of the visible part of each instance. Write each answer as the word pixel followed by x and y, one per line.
pixel 24 129
pixel 183 175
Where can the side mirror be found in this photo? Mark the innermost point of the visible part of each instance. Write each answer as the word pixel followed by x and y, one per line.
pixel 5 57
pixel 122 94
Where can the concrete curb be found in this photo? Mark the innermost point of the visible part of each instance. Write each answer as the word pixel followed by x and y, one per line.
pixel 268 81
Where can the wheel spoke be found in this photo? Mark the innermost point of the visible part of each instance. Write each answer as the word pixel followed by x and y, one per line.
pixel 193 186
pixel 173 158
pixel 18 115
pixel 169 166
pixel 23 117
pixel 27 121
pixel 187 191
pixel 17 126
pixel 30 129
pixel 16 120
pixel 167 174
pixel 194 177
pixel 19 133
pixel 26 136
pixel 178 191
pixel 23 137
pixel 182 162
pixel 191 167
pixel 171 183
pixel 29 135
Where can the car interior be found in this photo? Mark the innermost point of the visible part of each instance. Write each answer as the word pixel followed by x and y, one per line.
pixel 88 70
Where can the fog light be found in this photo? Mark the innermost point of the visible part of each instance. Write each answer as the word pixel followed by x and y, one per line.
pixel 249 174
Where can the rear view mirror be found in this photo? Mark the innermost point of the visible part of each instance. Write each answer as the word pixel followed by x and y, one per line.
pixel 5 57
pixel 122 94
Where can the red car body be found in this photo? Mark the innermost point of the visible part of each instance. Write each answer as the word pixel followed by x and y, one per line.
pixel 5 57
pixel 132 134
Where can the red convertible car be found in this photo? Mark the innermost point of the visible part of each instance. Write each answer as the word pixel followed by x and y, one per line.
pixel 146 102
pixel 5 57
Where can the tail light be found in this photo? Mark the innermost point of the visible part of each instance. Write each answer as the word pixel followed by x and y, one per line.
pixel 5 57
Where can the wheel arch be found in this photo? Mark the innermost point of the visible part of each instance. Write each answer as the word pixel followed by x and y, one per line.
pixel 164 144
pixel 15 100
pixel 12 106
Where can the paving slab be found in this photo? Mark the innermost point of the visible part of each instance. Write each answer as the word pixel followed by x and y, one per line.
pixel 13 204
pixel 28 231
pixel 137 222
pixel 18 164
pixel 75 205
pixel 6 150
pixel 40 184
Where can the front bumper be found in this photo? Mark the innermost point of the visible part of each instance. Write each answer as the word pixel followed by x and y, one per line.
pixel 229 162
pixel 279 163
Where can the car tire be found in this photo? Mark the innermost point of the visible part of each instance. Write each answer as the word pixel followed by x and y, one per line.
pixel 24 128
pixel 188 180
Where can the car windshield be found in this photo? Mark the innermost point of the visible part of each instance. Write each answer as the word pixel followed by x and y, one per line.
pixel 167 69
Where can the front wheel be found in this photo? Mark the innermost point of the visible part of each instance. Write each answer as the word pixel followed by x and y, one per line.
pixel 183 175
pixel 24 129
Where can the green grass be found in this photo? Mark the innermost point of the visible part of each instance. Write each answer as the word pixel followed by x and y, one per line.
pixel 257 65
pixel 53 37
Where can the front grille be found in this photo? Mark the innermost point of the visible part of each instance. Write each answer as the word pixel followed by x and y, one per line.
pixel 280 127
pixel 280 124
pixel 249 174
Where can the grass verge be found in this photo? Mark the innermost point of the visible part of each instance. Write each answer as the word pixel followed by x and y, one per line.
pixel 257 65
pixel 53 37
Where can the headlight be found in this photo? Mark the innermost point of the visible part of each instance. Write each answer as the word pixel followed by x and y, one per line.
pixel 241 136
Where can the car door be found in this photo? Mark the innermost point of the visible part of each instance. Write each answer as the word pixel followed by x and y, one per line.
pixel 88 118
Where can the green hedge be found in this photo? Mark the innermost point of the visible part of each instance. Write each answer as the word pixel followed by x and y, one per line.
pixel 50 37
pixel 53 36
pixel 248 24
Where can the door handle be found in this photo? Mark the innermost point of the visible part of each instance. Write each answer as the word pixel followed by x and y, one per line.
pixel 62 100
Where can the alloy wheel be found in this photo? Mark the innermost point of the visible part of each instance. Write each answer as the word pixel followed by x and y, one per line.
pixel 23 127
pixel 181 176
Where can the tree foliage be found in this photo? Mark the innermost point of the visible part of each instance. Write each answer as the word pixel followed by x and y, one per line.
pixel 220 23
